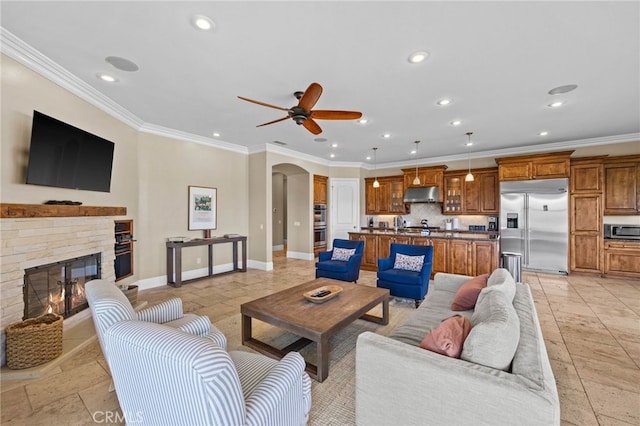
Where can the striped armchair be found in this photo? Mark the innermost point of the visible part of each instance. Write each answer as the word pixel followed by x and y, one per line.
pixel 165 376
pixel 110 305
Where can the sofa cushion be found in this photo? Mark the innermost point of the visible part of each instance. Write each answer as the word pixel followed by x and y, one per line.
pixel 342 254
pixel 408 263
pixel 468 292
pixel 494 337
pixel 506 289
pixel 498 276
pixel 448 338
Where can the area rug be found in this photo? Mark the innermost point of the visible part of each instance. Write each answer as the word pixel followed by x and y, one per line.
pixel 333 401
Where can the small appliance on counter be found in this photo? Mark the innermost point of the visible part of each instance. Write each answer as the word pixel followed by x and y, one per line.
pixel 383 225
pixel 493 223
pixel 448 225
pixel 455 223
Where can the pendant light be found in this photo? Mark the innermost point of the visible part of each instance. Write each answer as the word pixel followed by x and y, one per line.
pixel 469 177
pixel 416 180
pixel 376 184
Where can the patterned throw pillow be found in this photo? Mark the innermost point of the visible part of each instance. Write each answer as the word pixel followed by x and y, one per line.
pixel 408 263
pixel 342 254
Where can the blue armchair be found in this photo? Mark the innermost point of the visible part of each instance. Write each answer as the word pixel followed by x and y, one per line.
pixel 401 280
pixel 343 270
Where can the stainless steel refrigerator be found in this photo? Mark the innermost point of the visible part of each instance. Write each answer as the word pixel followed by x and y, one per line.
pixel 534 221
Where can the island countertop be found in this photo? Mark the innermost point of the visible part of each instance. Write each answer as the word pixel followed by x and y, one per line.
pixel 450 235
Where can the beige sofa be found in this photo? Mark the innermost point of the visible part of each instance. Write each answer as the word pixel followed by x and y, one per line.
pixel 399 383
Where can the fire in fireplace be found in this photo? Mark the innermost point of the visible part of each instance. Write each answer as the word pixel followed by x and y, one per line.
pixel 59 287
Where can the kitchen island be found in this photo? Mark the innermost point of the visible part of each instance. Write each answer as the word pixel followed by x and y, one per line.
pixel 465 253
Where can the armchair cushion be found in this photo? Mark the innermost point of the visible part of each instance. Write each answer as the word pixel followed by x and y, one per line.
pixel 408 263
pixel 166 311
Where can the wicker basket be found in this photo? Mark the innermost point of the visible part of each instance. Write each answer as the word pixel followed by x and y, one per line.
pixel 34 341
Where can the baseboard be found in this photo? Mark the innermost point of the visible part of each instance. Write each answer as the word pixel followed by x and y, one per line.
pixel 300 255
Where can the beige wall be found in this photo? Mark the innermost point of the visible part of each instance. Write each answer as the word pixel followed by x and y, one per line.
pixel 151 174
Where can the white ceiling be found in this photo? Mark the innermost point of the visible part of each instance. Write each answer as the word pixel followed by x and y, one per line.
pixel 496 60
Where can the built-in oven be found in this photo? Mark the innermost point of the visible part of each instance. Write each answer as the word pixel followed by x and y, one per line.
pixel 319 236
pixel 319 215
pixel 622 232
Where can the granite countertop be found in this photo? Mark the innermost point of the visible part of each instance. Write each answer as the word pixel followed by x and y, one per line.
pixel 463 235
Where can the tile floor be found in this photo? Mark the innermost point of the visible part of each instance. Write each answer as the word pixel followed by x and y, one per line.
pixel 591 327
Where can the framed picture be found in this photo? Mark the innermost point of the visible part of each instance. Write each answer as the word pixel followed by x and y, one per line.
pixel 203 209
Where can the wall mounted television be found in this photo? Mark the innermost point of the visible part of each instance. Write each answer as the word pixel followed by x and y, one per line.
pixel 64 156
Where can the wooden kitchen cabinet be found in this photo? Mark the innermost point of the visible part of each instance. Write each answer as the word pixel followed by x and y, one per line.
pixel 440 252
pixel 387 198
pixel 622 258
pixel 320 189
pixel 460 257
pixel 370 251
pixel 385 241
pixel 481 196
pixel 538 166
pixel 622 185
pixel 429 176
pixel 485 255
pixel 586 215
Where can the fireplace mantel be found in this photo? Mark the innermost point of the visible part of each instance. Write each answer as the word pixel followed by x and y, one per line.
pixel 18 211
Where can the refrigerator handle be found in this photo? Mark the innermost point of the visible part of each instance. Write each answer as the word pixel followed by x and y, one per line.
pixel 525 231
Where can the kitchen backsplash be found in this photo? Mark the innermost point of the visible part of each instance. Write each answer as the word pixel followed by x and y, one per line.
pixel 431 212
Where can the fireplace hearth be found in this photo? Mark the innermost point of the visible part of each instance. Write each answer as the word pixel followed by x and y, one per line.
pixel 59 287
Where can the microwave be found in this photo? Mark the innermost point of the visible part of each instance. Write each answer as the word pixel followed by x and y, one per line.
pixel 622 232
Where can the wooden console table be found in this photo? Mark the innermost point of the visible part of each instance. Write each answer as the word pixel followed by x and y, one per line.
pixel 174 255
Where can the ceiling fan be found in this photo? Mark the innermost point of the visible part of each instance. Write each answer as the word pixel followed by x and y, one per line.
pixel 302 113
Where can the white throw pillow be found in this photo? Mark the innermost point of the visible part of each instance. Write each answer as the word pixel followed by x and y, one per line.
pixel 408 263
pixel 495 334
pixel 342 254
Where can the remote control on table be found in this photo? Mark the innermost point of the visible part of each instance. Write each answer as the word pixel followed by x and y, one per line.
pixel 321 293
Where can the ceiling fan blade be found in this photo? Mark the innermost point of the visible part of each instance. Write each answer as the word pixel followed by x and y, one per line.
pixel 274 121
pixel 335 115
pixel 312 126
pixel 310 97
pixel 263 104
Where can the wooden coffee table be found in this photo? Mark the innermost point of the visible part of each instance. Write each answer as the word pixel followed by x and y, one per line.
pixel 290 311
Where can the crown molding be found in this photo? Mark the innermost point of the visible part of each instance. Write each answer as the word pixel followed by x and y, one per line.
pixel 190 137
pixel 22 52
pixel 515 151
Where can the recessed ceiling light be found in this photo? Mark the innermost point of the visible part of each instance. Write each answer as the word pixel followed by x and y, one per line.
pixel 543 133
pixel 414 151
pixel 202 22
pixel 332 155
pixel 443 102
pixel 122 63
pixel 363 121
pixel 417 57
pixel 456 122
pixel 216 134
pixel 386 135
pixel 556 104
pixel 107 77
pixel 334 145
pixel 468 143
pixel 368 157
pixel 563 89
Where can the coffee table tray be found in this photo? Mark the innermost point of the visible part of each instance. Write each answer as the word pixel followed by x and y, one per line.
pixel 333 290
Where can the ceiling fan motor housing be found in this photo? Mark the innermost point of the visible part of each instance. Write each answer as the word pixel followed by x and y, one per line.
pixel 298 115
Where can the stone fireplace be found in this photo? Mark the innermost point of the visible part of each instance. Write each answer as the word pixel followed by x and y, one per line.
pixel 34 235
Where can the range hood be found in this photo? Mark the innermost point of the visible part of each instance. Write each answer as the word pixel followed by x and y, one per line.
pixel 422 194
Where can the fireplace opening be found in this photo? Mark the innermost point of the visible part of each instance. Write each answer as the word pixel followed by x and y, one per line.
pixel 59 287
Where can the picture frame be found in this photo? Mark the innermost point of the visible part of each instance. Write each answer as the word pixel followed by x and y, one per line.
pixel 203 208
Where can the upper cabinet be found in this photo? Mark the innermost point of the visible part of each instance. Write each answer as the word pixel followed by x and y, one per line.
pixel 429 176
pixel 319 189
pixel 540 166
pixel 387 198
pixel 481 196
pixel 622 185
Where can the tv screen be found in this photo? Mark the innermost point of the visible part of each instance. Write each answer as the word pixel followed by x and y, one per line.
pixel 66 157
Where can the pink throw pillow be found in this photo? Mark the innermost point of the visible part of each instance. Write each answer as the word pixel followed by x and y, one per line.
pixel 468 292
pixel 448 338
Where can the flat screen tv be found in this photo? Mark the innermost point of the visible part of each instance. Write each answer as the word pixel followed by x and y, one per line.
pixel 64 156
